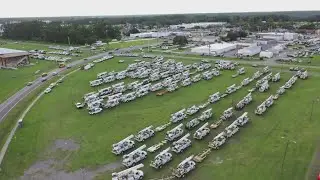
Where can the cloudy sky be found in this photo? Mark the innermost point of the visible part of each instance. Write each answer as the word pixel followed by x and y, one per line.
pixel 36 8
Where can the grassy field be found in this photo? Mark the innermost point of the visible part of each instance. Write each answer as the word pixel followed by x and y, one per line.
pixel 256 152
pixel 14 80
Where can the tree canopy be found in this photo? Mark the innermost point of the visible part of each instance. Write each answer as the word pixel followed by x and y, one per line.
pixel 180 40
pixel 59 32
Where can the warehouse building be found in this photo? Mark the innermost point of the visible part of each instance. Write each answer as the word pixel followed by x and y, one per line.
pixel 210 39
pixel 200 24
pixel 13 58
pixel 266 54
pixel 159 34
pixel 214 49
pixel 277 49
pixel 287 36
pixel 249 51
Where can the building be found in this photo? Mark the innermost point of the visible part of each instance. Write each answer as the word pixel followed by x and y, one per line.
pixel 266 54
pixel 249 51
pixel 277 49
pixel 200 24
pixel 210 39
pixel 13 58
pixel 159 34
pixel 287 36
pixel 214 49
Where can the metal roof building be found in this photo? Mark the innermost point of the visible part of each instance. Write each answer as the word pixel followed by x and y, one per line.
pixel 215 49
pixel 13 57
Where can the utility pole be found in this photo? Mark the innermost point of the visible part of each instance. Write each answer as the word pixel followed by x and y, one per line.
pixel 313 101
pixel 69 40
pixel 284 157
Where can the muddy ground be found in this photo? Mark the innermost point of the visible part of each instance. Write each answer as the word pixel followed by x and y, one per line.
pixel 49 169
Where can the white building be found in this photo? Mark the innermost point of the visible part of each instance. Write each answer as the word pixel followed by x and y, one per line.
pixel 287 36
pixel 200 24
pixel 266 54
pixel 249 51
pixel 142 35
pixel 159 34
pixel 290 36
pixel 210 39
pixel 277 49
pixel 214 49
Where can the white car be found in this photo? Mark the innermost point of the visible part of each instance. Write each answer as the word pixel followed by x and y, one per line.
pixel 54 73
pixel 52 85
pixel 95 111
pixel 79 105
pixel 47 90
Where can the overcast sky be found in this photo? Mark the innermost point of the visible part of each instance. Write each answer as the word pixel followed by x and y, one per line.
pixel 36 8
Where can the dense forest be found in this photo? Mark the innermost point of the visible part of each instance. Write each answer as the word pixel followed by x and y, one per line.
pixel 58 32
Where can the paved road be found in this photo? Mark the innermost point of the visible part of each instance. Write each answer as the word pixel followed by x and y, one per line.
pixel 16 126
pixel 11 102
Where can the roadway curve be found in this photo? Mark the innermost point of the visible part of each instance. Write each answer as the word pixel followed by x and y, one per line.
pixel 11 102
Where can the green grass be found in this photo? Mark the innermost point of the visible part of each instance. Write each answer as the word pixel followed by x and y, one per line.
pixel 125 44
pixel 14 80
pixel 256 152
pixel 315 61
pixel 12 117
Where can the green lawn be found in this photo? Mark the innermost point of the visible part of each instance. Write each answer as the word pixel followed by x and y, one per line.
pixel 256 152
pixel 14 80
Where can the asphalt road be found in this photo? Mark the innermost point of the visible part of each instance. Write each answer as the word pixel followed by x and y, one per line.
pixel 11 102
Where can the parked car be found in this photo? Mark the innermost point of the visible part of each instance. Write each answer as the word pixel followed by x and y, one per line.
pixel 43 79
pixel 29 83
pixel 54 73
pixel 48 90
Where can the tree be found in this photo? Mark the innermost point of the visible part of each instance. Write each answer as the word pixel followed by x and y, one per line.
pixel 232 36
pixel 180 40
pixel 132 31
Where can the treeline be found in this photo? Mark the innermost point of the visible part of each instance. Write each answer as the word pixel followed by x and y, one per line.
pixel 59 32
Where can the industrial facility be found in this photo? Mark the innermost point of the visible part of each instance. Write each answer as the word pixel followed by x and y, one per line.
pixel 200 24
pixel 214 49
pixel 13 58
pixel 249 51
pixel 287 36
pixel 159 34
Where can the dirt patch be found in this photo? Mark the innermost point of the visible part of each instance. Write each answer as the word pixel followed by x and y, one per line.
pixel 65 145
pixel 51 169
pixel 46 170
pixel 217 161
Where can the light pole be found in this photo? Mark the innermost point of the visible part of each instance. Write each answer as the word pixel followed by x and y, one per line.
pixel 284 155
pixel 313 101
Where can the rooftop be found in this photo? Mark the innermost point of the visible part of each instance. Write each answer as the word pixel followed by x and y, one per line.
pixel 4 51
pixel 216 46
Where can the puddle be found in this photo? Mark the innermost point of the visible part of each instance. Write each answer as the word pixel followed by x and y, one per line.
pixel 46 170
pixel 65 145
